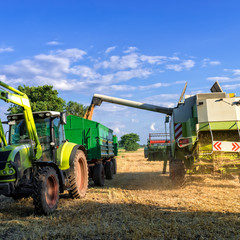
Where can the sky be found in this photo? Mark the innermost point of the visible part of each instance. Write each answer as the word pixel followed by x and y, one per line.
pixel 138 50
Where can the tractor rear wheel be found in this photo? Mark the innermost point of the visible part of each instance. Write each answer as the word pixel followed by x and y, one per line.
pixel 177 172
pixel 45 190
pixel 114 161
pixel 109 170
pixel 98 174
pixel 78 176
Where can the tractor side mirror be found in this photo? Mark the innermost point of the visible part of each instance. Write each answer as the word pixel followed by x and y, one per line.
pixel 63 118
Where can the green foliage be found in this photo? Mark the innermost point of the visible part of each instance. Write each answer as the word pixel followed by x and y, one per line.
pixel 42 98
pixel 129 141
pixel 77 109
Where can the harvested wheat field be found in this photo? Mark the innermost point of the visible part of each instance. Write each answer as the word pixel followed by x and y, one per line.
pixel 139 203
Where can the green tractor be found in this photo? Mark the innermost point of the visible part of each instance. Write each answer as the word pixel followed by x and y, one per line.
pixel 38 161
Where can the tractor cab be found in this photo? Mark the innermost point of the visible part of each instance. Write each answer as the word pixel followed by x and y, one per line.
pixel 49 127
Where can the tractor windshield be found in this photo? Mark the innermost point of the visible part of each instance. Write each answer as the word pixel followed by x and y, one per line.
pixel 19 133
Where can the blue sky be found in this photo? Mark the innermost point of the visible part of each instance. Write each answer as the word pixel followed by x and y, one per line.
pixel 138 50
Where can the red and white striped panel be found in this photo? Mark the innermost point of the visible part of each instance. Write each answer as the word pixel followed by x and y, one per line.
pixel 178 130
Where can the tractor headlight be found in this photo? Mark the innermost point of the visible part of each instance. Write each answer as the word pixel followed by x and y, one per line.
pixel 10 171
pixel 4 172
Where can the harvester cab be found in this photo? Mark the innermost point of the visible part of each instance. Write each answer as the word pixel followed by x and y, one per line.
pixel 38 161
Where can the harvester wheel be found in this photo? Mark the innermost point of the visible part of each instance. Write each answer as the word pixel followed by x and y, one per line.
pixel 78 176
pixel 177 171
pixel 114 161
pixel 98 174
pixel 109 170
pixel 45 190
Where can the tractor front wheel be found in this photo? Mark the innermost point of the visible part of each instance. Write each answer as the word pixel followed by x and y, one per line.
pixel 45 190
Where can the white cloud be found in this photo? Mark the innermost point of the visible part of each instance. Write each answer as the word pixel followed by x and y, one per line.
pixel 152 127
pixel 153 59
pixel 186 64
pixel 129 95
pixel 133 120
pixel 234 71
pixel 7 49
pixel 120 63
pixel 231 87
pixel 110 49
pixel 53 43
pixel 72 53
pixel 207 62
pixel 219 79
pixel 162 100
pixel 131 49
pixel 153 86
pixel 109 107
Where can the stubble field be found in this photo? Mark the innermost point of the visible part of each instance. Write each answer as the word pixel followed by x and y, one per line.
pixel 139 203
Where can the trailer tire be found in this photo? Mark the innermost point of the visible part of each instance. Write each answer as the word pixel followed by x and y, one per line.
pixel 177 172
pixel 78 177
pixel 98 174
pixel 114 161
pixel 109 170
pixel 45 190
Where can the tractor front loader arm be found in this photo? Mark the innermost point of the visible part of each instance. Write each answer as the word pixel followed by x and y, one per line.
pixel 3 140
pixel 21 99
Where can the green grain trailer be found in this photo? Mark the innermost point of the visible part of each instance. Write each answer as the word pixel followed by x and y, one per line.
pixel 101 145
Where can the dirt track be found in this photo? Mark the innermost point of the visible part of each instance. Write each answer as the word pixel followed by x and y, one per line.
pixel 139 203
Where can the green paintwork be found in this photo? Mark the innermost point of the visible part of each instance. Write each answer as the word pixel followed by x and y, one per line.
pixel 219 126
pixel 95 137
pixel 25 159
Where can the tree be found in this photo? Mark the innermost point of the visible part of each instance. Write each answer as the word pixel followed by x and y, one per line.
pixel 77 109
pixel 42 98
pixel 129 141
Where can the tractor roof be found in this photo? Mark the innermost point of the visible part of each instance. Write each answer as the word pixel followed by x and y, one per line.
pixel 41 114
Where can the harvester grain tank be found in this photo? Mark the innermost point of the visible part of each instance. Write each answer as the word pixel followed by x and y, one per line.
pixel 38 161
pixel 204 131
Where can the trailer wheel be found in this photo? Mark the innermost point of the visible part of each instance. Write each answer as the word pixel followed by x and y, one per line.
pixel 177 172
pixel 45 191
pixel 78 176
pixel 109 170
pixel 98 174
pixel 114 161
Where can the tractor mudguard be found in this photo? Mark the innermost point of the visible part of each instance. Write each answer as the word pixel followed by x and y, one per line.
pixel 66 153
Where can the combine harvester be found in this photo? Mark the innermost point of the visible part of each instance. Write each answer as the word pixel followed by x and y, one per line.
pixel 204 131
pixel 39 161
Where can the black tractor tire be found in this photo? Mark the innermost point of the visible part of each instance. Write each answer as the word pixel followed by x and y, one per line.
pixel 114 161
pixel 109 170
pixel 177 172
pixel 45 190
pixel 98 174
pixel 78 177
